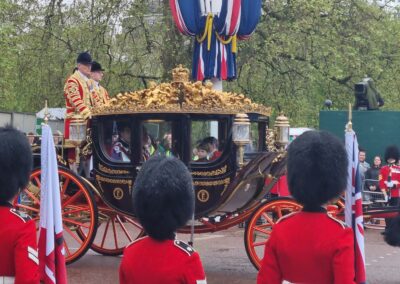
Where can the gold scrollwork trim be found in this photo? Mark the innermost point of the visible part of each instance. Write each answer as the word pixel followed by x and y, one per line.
pixel 212 183
pixel 180 96
pixel 111 171
pixel 216 172
pixel 114 181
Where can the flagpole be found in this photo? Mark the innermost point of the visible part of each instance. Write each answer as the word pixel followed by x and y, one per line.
pixel 349 125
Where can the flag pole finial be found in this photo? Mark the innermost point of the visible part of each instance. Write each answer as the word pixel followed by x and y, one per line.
pixel 349 125
pixel 46 112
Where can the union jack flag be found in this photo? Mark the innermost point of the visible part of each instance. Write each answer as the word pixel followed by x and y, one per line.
pixel 353 208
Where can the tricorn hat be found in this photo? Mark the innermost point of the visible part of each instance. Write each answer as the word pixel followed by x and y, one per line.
pixel 316 168
pixel 84 58
pixel 163 196
pixel 96 66
pixel 392 152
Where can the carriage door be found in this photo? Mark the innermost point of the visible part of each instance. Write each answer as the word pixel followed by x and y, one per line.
pixel 212 163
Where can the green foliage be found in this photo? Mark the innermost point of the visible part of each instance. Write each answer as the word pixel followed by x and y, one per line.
pixel 303 51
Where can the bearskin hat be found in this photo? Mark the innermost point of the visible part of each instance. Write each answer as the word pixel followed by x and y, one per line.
pixel 15 162
pixel 392 232
pixel 316 168
pixel 163 196
pixel 392 152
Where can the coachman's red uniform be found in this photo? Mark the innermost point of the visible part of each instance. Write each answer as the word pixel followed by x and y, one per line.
pixel 99 95
pixel 394 173
pixel 77 98
pixel 149 261
pixel 309 247
pixel 18 247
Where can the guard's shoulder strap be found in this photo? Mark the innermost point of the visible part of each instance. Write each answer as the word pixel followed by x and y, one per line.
pixel 23 216
pixel 340 222
pixel 184 247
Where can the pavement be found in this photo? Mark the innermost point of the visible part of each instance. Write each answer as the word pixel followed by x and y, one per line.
pixel 225 261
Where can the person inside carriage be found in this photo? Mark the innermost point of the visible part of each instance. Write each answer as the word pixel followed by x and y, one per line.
pixel 163 200
pixel 214 153
pixel 165 147
pixel 18 246
pixel 310 246
pixel 120 150
pixel 203 150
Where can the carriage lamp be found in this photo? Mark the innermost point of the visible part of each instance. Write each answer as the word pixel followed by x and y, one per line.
pixel 77 130
pixel 281 130
pixel 241 134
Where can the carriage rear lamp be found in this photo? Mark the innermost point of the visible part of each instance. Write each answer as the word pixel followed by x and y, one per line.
pixel 77 130
pixel 281 129
pixel 241 129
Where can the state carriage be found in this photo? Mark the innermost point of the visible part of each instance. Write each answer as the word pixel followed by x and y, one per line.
pixel 170 119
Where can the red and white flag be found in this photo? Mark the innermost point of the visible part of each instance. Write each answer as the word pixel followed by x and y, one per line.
pixel 353 208
pixel 51 242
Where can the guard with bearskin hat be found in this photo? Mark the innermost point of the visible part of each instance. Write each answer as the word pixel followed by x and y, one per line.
pixel 163 199
pixel 310 246
pixel 389 178
pixel 18 246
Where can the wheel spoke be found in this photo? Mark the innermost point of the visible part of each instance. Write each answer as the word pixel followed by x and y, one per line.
pixel 36 178
pixel 19 205
pixel 279 211
pixel 71 221
pixel 68 230
pixel 72 198
pixel 259 244
pixel 136 224
pixel 265 215
pixel 65 185
pixel 32 196
pixel 124 229
pixel 67 248
pixel 78 209
pixel 115 232
pixel 105 232
pixel 258 229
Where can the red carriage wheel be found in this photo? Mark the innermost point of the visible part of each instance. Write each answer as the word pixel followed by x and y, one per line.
pixel 79 211
pixel 115 231
pixel 259 227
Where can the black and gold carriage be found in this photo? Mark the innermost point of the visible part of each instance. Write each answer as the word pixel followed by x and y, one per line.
pixel 172 119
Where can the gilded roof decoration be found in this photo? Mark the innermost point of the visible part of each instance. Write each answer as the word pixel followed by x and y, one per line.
pixel 181 96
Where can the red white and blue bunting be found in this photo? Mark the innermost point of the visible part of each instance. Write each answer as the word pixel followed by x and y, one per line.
pixel 217 30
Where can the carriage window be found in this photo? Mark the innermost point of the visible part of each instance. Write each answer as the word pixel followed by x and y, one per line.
pixel 206 143
pixel 117 140
pixel 253 146
pixel 157 139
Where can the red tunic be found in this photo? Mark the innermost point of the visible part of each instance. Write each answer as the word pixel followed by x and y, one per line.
pixel 156 262
pixel 280 188
pixel 308 247
pixel 18 246
pixel 77 99
pixel 383 180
